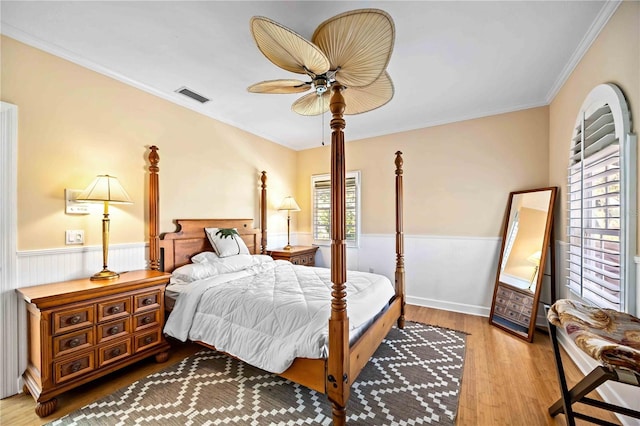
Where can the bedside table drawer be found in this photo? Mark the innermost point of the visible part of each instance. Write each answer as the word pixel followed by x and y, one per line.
pixel 145 340
pixel 73 319
pixel 306 260
pixel 69 369
pixel 146 320
pixel 114 352
pixel 146 301
pixel 112 309
pixel 113 329
pixel 72 342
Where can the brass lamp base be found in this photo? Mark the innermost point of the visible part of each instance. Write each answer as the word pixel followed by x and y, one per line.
pixel 105 274
pixel 288 247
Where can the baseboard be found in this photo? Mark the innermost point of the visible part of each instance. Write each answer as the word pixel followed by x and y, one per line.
pixel 462 308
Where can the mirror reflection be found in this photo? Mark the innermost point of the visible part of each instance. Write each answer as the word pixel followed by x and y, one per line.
pixel 525 235
pixel 524 246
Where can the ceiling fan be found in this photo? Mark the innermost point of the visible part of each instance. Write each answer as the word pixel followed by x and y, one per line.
pixel 350 50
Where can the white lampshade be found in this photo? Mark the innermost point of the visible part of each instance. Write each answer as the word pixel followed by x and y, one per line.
pixel 105 188
pixel 289 204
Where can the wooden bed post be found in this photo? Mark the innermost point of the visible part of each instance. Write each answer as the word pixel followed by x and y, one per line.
pixel 337 382
pixel 399 239
pixel 263 213
pixel 154 207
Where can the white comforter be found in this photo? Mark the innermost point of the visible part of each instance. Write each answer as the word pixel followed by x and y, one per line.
pixel 273 312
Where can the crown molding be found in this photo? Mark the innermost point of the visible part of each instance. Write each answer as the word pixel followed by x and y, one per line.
pixel 607 11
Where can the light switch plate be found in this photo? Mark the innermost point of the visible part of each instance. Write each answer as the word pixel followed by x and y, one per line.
pixel 71 205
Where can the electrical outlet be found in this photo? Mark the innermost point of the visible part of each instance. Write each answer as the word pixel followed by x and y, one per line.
pixel 74 236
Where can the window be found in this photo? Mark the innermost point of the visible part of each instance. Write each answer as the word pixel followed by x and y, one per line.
pixel 321 195
pixel 602 202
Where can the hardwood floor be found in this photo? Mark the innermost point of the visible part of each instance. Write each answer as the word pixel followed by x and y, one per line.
pixel 506 381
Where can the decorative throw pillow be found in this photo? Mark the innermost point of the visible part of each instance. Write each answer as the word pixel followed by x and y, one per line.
pixel 226 241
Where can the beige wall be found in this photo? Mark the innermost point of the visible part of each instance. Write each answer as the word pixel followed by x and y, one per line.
pixel 614 57
pixel 75 123
pixel 457 176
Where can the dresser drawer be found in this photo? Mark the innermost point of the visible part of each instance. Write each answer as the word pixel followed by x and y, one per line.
pixel 74 367
pixel 72 342
pixel 145 340
pixel 504 292
pixel 502 301
pixel 73 319
pixel 115 308
pixel 113 329
pixel 114 351
pixel 522 299
pixel 145 301
pixel 146 319
pixel 306 260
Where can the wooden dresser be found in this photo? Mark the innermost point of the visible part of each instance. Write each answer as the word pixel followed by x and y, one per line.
pixel 514 304
pixel 298 255
pixel 80 330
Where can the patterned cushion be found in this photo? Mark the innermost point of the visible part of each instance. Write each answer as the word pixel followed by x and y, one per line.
pixel 608 336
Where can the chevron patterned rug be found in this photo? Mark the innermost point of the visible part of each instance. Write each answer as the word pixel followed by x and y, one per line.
pixel 413 378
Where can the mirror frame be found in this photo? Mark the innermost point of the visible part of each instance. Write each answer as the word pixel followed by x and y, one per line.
pixel 505 287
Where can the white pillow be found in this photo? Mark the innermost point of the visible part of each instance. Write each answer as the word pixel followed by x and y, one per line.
pixel 226 241
pixel 193 272
pixel 205 256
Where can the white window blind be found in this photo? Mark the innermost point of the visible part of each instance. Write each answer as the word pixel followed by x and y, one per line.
pixel 321 188
pixel 600 201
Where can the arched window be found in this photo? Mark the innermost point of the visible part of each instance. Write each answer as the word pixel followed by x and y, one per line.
pixel 602 202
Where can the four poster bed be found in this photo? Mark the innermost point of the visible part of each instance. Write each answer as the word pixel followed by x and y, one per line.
pixel 331 375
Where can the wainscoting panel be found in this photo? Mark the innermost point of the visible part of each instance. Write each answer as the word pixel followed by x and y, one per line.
pixel 55 265
pixel 443 272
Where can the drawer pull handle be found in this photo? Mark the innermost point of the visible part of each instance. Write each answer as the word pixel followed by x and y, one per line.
pixel 147 301
pixel 75 367
pixel 115 309
pixel 148 339
pixel 113 330
pixel 74 319
pixel 146 320
pixel 115 352
pixel 74 342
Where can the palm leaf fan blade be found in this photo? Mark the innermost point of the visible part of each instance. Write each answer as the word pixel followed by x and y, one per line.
pixel 286 48
pixel 279 86
pixel 312 104
pixel 358 44
pixel 363 99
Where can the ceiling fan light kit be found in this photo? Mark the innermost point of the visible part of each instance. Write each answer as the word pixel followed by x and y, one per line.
pixel 351 49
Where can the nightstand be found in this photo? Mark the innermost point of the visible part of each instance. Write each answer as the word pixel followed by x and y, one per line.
pixel 298 255
pixel 80 330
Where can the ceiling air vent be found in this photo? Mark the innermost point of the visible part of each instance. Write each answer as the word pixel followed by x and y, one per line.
pixel 193 95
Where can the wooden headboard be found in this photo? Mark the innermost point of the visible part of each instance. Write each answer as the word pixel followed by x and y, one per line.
pixel 174 249
pixel 178 247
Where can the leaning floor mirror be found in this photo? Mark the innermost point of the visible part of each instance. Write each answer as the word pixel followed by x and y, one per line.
pixel 525 241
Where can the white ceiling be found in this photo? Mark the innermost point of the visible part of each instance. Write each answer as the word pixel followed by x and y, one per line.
pixel 452 60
